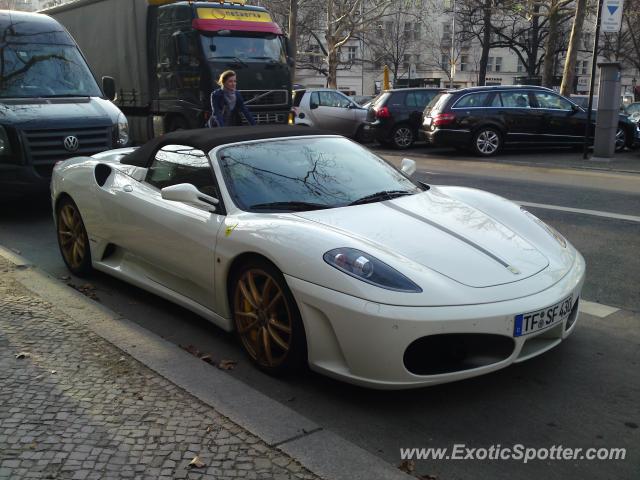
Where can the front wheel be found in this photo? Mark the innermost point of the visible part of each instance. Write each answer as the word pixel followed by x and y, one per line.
pixel 487 142
pixel 72 238
pixel 621 139
pixel 267 319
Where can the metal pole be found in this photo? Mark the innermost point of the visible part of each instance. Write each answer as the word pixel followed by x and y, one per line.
pixel 452 68
pixel 594 60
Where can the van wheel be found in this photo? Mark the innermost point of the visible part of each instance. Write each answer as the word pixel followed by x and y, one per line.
pixel 402 137
pixel 487 142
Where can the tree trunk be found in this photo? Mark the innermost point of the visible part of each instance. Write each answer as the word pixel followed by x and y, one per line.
pixel 551 46
pixel 332 53
pixel 293 36
pixel 486 43
pixel 568 75
pixel 534 47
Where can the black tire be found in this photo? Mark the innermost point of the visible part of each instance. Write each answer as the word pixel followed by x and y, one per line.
pixel 73 240
pixel 361 135
pixel 621 138
pixel 276 320
pixel 402 137
pixel 486 142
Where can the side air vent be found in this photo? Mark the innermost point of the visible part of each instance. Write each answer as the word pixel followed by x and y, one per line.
pixel 102 172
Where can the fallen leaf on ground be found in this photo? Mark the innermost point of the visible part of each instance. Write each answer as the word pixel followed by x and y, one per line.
pixel 197 463
pixel 427 477
pixel 22 355
pixel 191 349
pixel 207 358
pixel 87 289
pixel 407 466
pixel 53 372
pixel 227 364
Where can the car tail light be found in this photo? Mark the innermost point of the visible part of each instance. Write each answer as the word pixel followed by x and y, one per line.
pixel 383 113
pixel 443 119
pixel 292 117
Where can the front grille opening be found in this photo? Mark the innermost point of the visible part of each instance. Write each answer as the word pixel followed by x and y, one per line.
pixel 456 352
pixel 573 316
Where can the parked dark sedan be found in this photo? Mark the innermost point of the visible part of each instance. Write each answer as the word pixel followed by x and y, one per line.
pixel 486 119
pixel 396 115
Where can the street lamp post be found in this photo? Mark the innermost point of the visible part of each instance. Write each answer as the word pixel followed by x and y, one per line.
pixel 452 62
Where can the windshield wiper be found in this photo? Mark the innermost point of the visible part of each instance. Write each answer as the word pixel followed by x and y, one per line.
pixel 293 206
pixel 383 195
pixel 236 59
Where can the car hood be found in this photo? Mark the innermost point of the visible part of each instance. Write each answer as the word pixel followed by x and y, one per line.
pixel 442 234
pixel 36 113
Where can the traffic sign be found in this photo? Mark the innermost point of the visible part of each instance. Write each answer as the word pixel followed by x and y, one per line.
pixel 611 16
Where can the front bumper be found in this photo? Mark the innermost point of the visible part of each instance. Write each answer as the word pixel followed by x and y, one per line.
pixel 364 342
pixel 18 180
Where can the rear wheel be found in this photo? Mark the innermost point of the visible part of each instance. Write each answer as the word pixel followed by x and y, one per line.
pixel 72 238
pixel 402 137
pixel 487 142
pixel 267 319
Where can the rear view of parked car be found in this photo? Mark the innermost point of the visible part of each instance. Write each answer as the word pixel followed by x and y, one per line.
pixel 486 119
pixel 330 110
pixel 396 115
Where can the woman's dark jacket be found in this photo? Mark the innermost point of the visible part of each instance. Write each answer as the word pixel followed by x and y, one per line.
pixel 219 111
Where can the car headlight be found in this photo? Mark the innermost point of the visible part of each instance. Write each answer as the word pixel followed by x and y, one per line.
pixel 5 146
pixel 369 269
pixel 123 130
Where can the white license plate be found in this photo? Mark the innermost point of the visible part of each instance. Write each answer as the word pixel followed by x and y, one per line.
pixel 531 322
pixel 426 122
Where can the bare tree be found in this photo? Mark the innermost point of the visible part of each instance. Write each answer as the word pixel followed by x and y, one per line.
pixel 347 20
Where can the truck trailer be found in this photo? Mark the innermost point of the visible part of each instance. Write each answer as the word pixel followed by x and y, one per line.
pixel 166 56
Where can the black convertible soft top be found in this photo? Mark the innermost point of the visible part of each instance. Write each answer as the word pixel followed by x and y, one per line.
pixel 207 138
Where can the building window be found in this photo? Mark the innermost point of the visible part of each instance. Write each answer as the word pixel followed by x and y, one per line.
pixel 446 31
pixel 494 64
pixel 408 30
pixel 407 62
pixel 444 61
pixel 520 68
pixel 352 52
pixel 582 67
pixel 417 32
pixel 464 63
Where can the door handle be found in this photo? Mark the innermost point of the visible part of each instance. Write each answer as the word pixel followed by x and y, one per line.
pixel 127 188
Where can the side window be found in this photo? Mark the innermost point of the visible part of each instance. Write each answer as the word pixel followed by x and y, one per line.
pixel 518 99
pixel 418 99
pixel 473 101
pixel 332 99
pixel 315 98
pixel 551 101
pixel 175 164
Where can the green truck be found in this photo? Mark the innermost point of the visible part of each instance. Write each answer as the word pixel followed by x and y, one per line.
pixel 166 56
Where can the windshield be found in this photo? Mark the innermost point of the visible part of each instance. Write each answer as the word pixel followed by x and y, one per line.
pixel 324 172
pixel 38 70
pixel 256 48
pixel 634 108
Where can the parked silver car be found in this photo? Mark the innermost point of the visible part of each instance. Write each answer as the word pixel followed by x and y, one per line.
pixel 330 110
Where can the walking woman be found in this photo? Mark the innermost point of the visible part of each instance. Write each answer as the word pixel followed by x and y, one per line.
pixel 227 103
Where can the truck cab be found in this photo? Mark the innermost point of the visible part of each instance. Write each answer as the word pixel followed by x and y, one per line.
pixel 51 107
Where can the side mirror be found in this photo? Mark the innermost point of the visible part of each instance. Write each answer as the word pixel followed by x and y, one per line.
pixel 109 88
pixel 187 193
pixel 353 106
pixel 313 105
pixel 408 166
pixel 575 108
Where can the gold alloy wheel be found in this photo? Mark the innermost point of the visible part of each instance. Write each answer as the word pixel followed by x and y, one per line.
pixel 72 236
pixel 263 318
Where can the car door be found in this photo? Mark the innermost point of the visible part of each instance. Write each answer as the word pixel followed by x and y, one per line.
pixel 172 243
pixel 560 122
pixel 521 120
pixel 332 112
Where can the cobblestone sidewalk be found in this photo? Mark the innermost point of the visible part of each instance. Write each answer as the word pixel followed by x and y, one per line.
pixel 72 406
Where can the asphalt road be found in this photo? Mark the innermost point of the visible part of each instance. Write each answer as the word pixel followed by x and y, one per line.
pixel 581 394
